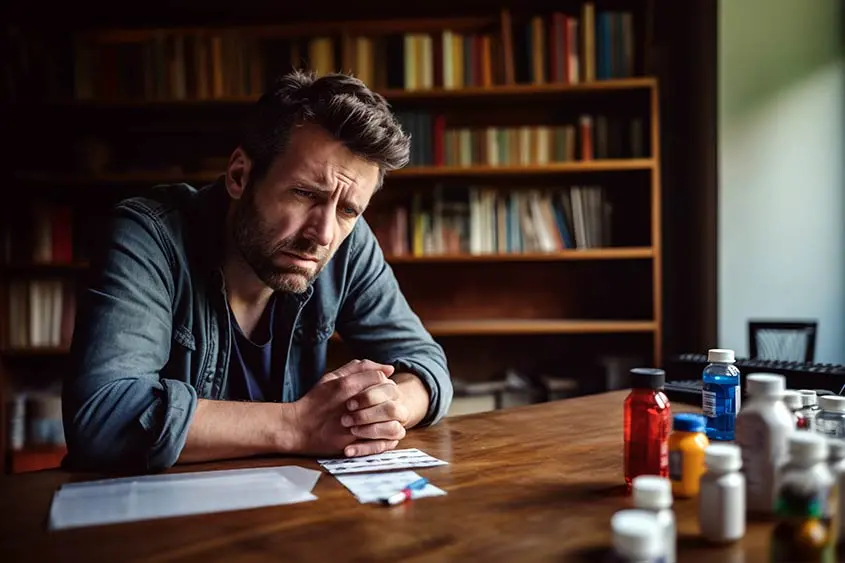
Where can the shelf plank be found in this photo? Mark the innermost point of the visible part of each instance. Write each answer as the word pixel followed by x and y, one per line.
pixel 518 90
pixel 536 326
pixel 43 268
pixel 630 253
pixel 34 351
pixel 503 91
pixel 37 458
pixel 573 167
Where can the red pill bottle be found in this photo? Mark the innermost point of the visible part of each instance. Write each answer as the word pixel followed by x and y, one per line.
pixel 647 423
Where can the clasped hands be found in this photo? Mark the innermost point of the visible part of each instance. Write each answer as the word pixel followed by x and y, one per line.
pixel 356 409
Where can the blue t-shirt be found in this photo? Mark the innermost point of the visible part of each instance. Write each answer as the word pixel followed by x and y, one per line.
pixel 252 376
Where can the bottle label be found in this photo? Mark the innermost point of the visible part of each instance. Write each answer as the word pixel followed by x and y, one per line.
pixel 737 398
pixel 708 403
pixel 676 465
pixel 832 428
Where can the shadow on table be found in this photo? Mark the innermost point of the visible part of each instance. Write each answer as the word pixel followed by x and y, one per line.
pixel 690 548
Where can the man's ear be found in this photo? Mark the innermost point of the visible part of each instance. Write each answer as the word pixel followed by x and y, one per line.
pixel 237 174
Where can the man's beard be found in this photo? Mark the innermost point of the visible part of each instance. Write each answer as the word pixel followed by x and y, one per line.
pixel 254 241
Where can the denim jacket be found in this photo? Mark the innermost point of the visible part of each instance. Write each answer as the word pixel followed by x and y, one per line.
pixel 153 333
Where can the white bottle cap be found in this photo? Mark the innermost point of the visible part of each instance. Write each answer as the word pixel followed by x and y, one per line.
pixel 836 448
pixel 765 384
pixel 807 448
pixel 721 355
pixel 832 403
pixel 637 534
pixel 792 399
pixel 652 492
pixel 723 457
pixel 808 396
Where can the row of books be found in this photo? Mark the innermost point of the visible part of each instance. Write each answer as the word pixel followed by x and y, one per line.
pixel 436 143
pixel 42 233
pixel 544 48
pixel 41 313
pixel 35 419
pixel 483 220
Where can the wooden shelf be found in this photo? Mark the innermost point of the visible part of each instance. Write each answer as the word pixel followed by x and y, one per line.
pixel 43 268
pixel 536 326
pixel 34 352
pixel 36 458
pixel 500 91
pixel 630 253
pixel 486 327
pixel 573 167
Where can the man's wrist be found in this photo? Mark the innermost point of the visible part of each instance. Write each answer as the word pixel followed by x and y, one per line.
pixel 415 395
pixel 288 434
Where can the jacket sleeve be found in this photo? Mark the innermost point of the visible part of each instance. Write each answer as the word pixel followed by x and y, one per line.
pixel 118 412
pixel 377 322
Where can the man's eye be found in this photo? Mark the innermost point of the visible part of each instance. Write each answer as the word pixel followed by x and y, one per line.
pixel 350 212
pixel 303 193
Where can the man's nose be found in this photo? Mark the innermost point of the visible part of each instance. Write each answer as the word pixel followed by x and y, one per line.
pixel 320 226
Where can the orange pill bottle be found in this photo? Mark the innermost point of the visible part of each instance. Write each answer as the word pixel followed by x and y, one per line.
pixel 687 443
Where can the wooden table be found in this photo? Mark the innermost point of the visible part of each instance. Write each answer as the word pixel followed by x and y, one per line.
pixel 536 483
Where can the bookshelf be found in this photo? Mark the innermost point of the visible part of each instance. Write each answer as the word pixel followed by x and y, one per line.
pixel 527 224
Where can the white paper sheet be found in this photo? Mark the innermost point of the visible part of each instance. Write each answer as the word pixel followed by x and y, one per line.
pixel 145 497
pixel 395 459
pixel 373 487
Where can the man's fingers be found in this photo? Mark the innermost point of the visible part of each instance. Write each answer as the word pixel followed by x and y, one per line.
pixel 352 384
pixel 390 430
pixel 356 366
pixel 383 412
pixel 369 447
pixel 387 391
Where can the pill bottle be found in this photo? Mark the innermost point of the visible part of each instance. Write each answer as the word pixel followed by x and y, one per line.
pixel 637 537
pixel 793 402
pixel 687 443
pixel 811 406
pixel 763 428
pixel 655 495
pixel 806 504
pixel 830 419
pixel 721 500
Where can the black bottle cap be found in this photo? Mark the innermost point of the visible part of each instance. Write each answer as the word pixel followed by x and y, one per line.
pixel 647 378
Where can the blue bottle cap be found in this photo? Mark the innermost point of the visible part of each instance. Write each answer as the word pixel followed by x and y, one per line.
pixel 688 422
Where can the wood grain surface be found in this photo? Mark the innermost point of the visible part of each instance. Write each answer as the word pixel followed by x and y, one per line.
pixel 536 483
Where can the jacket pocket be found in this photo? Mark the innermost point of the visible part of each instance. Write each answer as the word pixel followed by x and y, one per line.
pixel 183 336
pixel 312 333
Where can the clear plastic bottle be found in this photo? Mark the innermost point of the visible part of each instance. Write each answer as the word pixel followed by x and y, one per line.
pixel 792 400
pixel 763 428
pixel 647 416
pixel 655 495
pixel 637 537
pixel 721 502
pixel 721 396
pixel 830 419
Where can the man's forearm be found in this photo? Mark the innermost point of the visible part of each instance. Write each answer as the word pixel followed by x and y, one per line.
pixel 229 429
pixel 415 396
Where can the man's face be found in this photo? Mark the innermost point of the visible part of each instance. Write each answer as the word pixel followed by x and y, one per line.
pixel 288 225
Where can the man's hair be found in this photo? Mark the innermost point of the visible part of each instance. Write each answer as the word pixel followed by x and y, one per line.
pixel 342 105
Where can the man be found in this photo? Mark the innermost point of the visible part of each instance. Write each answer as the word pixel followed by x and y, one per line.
pixel 203 333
